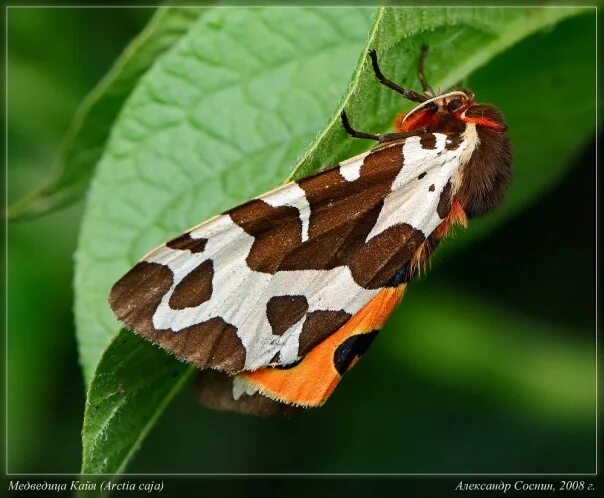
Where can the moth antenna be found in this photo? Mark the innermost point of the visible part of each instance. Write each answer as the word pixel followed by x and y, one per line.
pixel 408 94
pixel 421 74
pixel 433 99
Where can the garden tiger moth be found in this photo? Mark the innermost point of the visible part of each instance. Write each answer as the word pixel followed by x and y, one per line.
pixel 276 298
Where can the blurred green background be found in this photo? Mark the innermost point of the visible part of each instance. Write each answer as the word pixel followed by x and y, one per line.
pixel 483 399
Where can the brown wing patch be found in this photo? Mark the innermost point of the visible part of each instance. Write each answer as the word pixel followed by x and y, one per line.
pixel 334 202
pixel 283 311
pixel 276 230
pixel 427 141
pixel 135 297
pixel 444 203
pixel 335 246
pixel 453 141
pixel 212 343
pixel 377 261
pixel 317 326
pixel 195 288
pixel 186 242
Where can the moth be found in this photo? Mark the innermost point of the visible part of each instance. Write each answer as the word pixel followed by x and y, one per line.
pixel 275 299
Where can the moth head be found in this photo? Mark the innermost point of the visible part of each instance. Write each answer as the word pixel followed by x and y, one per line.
pixel 486 174
pixel 459 101
pixel 462 106
pixel 450 103
pixel 483 116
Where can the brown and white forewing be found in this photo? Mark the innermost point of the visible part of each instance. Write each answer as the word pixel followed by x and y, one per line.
pixel 265 282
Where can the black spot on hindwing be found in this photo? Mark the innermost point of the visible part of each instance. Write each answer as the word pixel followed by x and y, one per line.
pixel 350 349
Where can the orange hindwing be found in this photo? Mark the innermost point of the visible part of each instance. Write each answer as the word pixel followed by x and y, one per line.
pixel 311 381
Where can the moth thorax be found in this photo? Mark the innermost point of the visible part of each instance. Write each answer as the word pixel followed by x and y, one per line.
pixel 486 175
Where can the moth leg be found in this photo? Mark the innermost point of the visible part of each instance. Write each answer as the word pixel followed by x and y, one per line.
pixel 389 137
pixel 420 72
pixel 382 137
pixel 354 133
pixel 408 94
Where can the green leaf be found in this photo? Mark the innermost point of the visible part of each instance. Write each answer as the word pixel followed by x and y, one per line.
pixel 126 373
pixel 208 128
pixel 85 140
pixel 220 119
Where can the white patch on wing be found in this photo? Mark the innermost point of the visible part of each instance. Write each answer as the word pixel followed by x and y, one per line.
pixel 290 343
pixel 241 387
pixel 411 201
pixel 240 295
pixel 471 141
pixel 291 195
pixel 350 169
